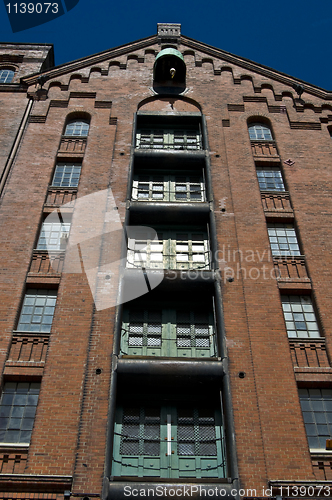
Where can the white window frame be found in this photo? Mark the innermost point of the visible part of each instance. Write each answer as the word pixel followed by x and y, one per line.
pixel 162 187
pixel 53 236
pixel 316 407
pixel 18 405
pixel 6 75
pixel 77 128
pixel 300 317
pixel 169 250
pixel 268 173
pixel 283 240
pixel 260 132
pixel 69 177
pixel 37 311
pixel 178 138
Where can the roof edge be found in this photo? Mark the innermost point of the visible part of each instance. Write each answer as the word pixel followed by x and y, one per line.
pixel 235 59
pixel 192 43
pixel 94 58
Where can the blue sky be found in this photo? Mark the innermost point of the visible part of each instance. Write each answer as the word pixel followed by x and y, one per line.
pixel 290 36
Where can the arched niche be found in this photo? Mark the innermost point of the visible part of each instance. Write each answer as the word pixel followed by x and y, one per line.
pixel 169 72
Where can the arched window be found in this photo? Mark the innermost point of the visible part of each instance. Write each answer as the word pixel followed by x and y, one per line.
pixel 260 132
pixel 6 75
pixel 77 127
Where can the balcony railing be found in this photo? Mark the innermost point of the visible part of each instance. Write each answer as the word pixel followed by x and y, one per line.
pixel 276 202
pixel 164 138
pixel 309 353
pixel 169 250
pixel 168 333
pixel 181 189
pixel 202 345
pixel 290 268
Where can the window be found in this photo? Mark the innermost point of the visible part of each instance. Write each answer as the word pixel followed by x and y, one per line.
pixel 53 236
pixel 270 179
pixel 169 138
pixel 283 240
pixel 78 128
pixel 299 316
pixel 187 187
pixel 260 132
pixel 17 411
pixel 316 407
pixel 169 441
pixel 169 250
pixel 181 332
pixel 66 175
pixel 37 311
pixel 6 75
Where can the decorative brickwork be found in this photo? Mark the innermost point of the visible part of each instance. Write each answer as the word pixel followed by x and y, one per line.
pixel 264 149
pixel 40 495
pixel 44 263
pixel 12 462
pixel 57 196
pixel 277 202
pixel 72 145
pixel 289 268
pixel 322 468
pixel 309 353
pixel 28 348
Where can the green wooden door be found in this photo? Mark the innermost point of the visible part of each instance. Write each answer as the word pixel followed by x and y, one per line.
pixel 168 332
pixel 182 441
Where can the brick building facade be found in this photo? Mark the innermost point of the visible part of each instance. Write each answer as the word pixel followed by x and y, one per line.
pixel 165 276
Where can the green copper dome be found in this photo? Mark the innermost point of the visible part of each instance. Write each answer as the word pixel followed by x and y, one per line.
pixel 169 68
pixel 169 52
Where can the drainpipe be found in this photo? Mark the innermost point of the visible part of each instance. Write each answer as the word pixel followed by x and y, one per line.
pixel 15 147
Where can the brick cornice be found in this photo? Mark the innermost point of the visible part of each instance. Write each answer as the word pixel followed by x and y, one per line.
pixel 190 43
pixel 95 59
pixel 34 483
pixel 13 87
